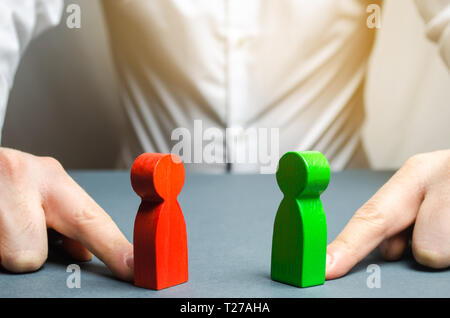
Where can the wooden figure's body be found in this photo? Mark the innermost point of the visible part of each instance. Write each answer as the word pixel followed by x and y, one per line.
pixel 300 230
pixel 160 239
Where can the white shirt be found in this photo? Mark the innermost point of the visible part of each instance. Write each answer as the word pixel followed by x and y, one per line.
pixel 20 22
pixel 294 65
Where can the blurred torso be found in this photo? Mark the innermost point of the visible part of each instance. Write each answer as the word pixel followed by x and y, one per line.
pixel 296 65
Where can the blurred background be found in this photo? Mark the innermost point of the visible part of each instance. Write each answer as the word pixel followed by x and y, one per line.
pixel 65 103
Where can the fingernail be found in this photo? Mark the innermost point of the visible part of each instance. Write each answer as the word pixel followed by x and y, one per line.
pixel 129 260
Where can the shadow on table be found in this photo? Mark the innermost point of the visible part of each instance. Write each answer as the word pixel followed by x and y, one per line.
pixel 406 261
pixel 58 256
pixel 375 257
pixel 412 264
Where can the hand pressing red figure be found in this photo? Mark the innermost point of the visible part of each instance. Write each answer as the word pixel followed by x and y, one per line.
pixel 160 239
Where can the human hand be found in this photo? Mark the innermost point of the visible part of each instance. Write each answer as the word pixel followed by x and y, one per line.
pixel 417 196
pixel 35 194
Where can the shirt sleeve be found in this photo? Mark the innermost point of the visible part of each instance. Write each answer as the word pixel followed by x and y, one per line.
pixel 20 22
pixel 436 14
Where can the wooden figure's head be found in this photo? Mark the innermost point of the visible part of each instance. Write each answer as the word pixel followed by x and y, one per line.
pixel 303 174
pixel 157 176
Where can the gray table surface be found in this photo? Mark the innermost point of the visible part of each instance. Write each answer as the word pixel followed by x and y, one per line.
pixel 229 221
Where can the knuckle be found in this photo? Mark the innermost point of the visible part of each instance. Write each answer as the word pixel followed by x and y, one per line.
pixel 416 160
pixel 427 168
pixel 83 216
pixel 371 214
pixel 84 219
pixel 12 164
pixel 23 261
pixel 445 164
pixel 51 163
pixel 30 227
pixel 447 157
pixel 349 247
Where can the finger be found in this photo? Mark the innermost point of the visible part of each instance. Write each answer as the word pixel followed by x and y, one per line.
pixel 72 212
pixel 391 210
pixel 393 248
pixel 23 233
pixel 76 250
pixel 431 239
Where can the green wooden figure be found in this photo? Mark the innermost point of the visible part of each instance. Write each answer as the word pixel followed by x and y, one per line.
pixel 300 231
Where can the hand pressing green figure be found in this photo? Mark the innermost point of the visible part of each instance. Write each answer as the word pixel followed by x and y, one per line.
pixel 300 231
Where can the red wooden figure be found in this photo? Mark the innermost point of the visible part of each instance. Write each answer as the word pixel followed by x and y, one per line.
pixel 160 240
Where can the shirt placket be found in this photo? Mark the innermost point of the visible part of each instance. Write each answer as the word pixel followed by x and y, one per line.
pixel 242 26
